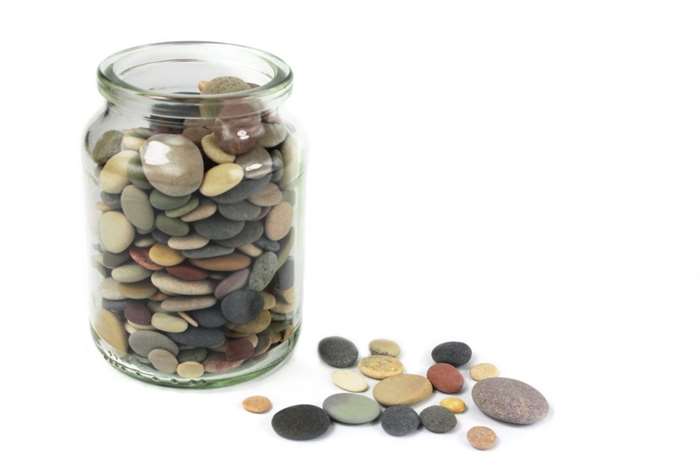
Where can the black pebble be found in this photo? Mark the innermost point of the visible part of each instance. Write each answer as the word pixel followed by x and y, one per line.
pixel 400 420
pixel 438 419
pixel 452 352
pixel 301 422
pixel 338 352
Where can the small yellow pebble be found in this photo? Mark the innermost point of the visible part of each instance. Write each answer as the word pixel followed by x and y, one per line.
pixel 190 370
pixel 482 438
pixel 380 367
pixel 214 152
pixel 221 178
pixel 164 255
pixel 483 371
pixel 454 405
pixel 257 404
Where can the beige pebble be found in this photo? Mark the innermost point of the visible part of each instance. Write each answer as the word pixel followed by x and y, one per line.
pixel 185 243
pixel 279 221
pixel 454 404
pixel 269 300
pixel 185 303
pixel 291 155
pixel 205 209
pixel 132 142
pixel 109 289
pixel 190 370
pixel 186 317
pixel 382 347
pixel 380 367
pixel 288 295
pixel 349 380
pixel 221 178
pixel 214 152
pixel 257 404
pixel 483 371
pixel 163 360
pixel 167 322
pixel 257 325
pixel 110 329
pixel 269 196
pixel 175 286
pixel 250 250
pixel 283 308
pixel 138 290
pixel 116 232
pixel 113 177
pixel 482 438
pixel 404 389
pixel 164 255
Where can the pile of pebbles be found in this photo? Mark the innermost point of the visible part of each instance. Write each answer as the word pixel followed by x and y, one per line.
pixel 502 399
pixel 196 234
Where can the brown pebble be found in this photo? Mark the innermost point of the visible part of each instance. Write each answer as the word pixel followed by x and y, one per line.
pixel 445 378
pixel 482 438
pixel 187 272
pixel 229 263
pixel 257 404
pixel 140 256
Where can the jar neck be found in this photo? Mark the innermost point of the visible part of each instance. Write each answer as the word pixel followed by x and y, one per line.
pixel 162 79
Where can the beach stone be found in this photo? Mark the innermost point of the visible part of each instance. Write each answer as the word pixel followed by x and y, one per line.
pixel 239 349
pixel 134 171
pixel 252 231
pixel 454 405
pixel 187 303
pixel 214 152
pixel 216 363
pixel 243 210
pixel 380 367
pixel 193 355
pixel 111 260
pixel 455 353
pixel 483 371
pixel 482 437
pixel 285 248
pixel 257 404
pixel 237 126
pixel 143 342
pixel 445 378
pixel 109 144
pixel 109 328
pixel 114 175
pixel 404 389
pixel 261 322
pixel 263 271
pixel 140 256
pixel 291 156
pixel 230 263
pixel 130 273
pixel 285 275
pixel 256 163
pixel 144 241
pixel 172 164
pixel 109 289
pixel 221 178
pixel 186 243
pixel 268 244
pixel 160 237
pixel 242 306
pixel 269 196
pixel 137 208
pixel 190 369
pixel 164 256
pixel 171 226
pixel 338 352
pixel 437 419
pixel 112 201
pixel 233 282
pixel 351 408
pixel 137 313
pixel 205 209
pixel 163 360
pixel 400 420
pixel 187 272
pixel 223 85
pixel 164 202
pixel 279 221
pixel 199 337
pixel 301 422
pixel 274 135
pixel 208 251
pixel 209 318
pixel 137 290
pixel 269 300
pixel 510 401
pixel 349 380
pixel 381 347
pixel 115 231
pixel 116 306
pixel 242 191
pixel 179 212
pixel 168 322
pixel 218 227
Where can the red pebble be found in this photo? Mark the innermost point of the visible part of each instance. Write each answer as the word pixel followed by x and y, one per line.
pixel 140 256
pixel 187 272
pixel 445 378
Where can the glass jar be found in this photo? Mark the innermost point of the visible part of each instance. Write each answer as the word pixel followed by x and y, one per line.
pixel 195 203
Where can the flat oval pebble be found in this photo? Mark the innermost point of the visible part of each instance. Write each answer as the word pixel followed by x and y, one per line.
pixel 437 419
pixel 163 360
pixel 218 227
pixel 188 303
pixel 189 242
pixel 113 260
pixel 285 275
pixel 168 322
pixel 205 209
pixel 140 256
pixel 233 282
pixel 172 164
pixel 349 380
pixel 130 273
pixel 404 389
pixel 263 271
pixel 208 251
pixel 400 420
pixel 275 134
pixel 214 152
pixel 454 405
pixel 199 337
pixel 257 404
pixel 510 401
pixel 269 196
pixel 382 347
pixel 109 144
pixel 221 178
pixel 482 437
pixel 252 231
pixel 171 226
pixel 137 290
pixel 144 341
pixel 114 175
pixel 109 289
pixel 456 353
pixel 256 163
pixel 137 313
pixel 445 378
pixel 279 221
pixel 351 408
pixel 187 272
pixel 184 210
pixel 380 367
pixel 242 306
pixel 137 208
pixel 193 355
pixel 291 155
pixel 116 232
pixel 483 371
pixel 301 422
pixel 241 192
pixel 243 210
pixel 164 202
pixel 134 171
pixel 260 323
pixel 229 263
pixel 338 352
pixel 164 256
pixel 239 349
pixel 209 318
pixel 190 369
pixel 110 329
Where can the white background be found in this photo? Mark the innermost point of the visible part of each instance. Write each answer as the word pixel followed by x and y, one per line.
pixel 519 175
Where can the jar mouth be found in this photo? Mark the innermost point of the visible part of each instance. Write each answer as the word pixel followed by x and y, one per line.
pixel 164 76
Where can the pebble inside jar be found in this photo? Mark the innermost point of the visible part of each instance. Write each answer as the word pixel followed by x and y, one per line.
pixel 195 204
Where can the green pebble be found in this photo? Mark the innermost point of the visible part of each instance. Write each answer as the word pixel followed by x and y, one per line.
pixel 134 172
pixel 172 226
pixel 164 202
pixel 109 144
pixel 184 210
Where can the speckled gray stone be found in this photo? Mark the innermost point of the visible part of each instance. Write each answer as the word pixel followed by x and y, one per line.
pixel 263 271
pixel 510 401
pixel 438 419
pixel 452 352
pixel 351 408
pixel 400 420
pixel 338 352
pixel 301 422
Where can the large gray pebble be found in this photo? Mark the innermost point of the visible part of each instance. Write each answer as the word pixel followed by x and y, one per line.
pixel 200 337
pixel 438 419
pixel 218 228
pixel 243 210
pixel 242 306
pixel 144 341
pixel 510 401
pixel 251 232
pixel 338 352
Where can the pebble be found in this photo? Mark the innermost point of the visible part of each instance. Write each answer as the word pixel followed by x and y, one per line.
pixel 404 389
pixel 137 208
pixel 243 191
pixel 445 378
pixel 482 438
pixel 140 256
pixel 279 221
pixel 144 341
pixel 134 171
pixel 116 233
pixel 349 380
pixel 109 289
pixel 167 322
pixel 164 256
pixel 338 352
pixel 263 271
pixel 110 329
pixel 257 404
pixel 230 263
pixel 452 352
pixel 171 226
pixel 138 290
pixel 239 349
pixel 242 306
pixel 137 313
pixel 109 144
pixel 483 371
pixel 164 202
pixel 113 260
pixel 221 178
pixel 381 347
pixel 130 273
pixel 114 175
pixel 184 210
pixel 301 422
pixel 454 405
pixel 285 275
pixel 218 227
pixel 274 135
pixel 252 231
pixel 209 318
pixel 510 401
pixel 437 419
pixel 190 369
pixel 193 355
pixel 185 243
pixel 216 363
pixel 233 282
pixel 187 272
pixel 172 164
pixel 380 367
pixel 260 323
pixel 205 210
pixel 208 251
pixel 177 304
pixel 243 210
pixel 351 408
pixel 199 337
pixel 256 163
pixel 163 360
pixel 400 420
pixel 269 196
pixel 214 152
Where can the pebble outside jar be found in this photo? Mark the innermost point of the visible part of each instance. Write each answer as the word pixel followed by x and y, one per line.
pixel 195 205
